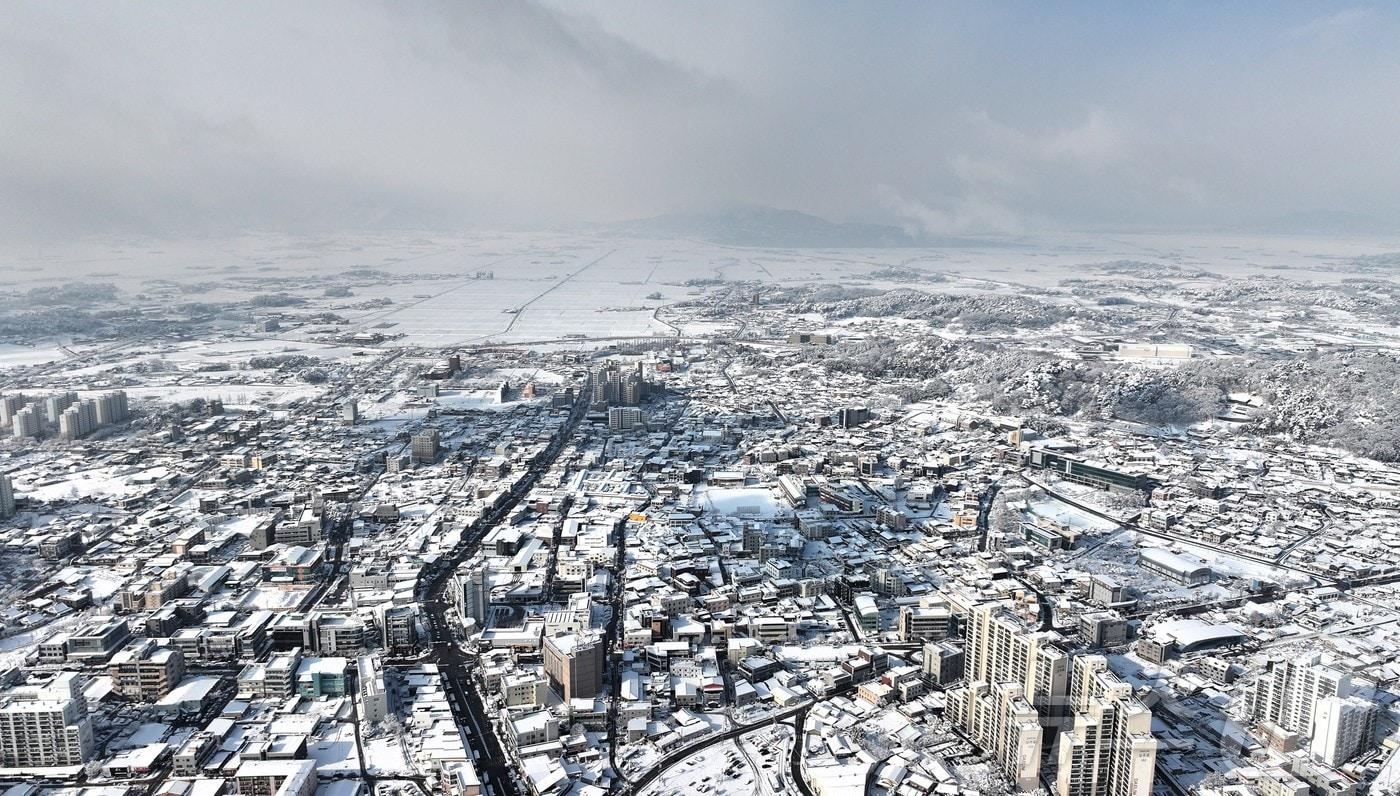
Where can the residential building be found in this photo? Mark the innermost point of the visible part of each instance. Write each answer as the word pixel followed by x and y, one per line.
pixel 26 423
pixel 7 496
pixel 1287 693
pixel 46 725
pixel 625 418
pixel 1001 648
pixel 1000 719
pixel 145 670
pixel 1109 750
pixel 1342 727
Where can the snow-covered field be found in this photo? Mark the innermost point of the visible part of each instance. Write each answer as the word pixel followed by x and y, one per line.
pixel 106 482
pixel 445 290
pixel 756 502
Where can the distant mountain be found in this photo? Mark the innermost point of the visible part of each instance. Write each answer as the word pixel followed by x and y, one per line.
pixel 1326 222
pixel 770 227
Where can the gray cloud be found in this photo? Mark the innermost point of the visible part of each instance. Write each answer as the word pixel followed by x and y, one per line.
pixel 205 118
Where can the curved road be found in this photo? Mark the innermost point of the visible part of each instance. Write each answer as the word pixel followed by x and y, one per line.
pixel 638 785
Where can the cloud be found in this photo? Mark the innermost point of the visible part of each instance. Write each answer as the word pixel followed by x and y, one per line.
pixel 204 118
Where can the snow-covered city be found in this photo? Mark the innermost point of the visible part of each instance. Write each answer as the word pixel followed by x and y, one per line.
pixel 725 398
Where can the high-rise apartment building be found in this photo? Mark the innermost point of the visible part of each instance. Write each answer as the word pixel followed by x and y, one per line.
pixel 1001 648
pixel 112 408
pixel 9 405
pixel 45 726
pixel 632 388
pixel 26 423
pixel 7 496
pixel 1000 719
pixel 70 424
pixel 1109 750
pixel 1286 694
pixel 54 405
pixel 625 418
pixel 1342 727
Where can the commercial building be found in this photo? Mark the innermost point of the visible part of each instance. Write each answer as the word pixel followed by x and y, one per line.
pixel 472 593
pixel 98 639
pixel 573 662
pixel 275 679
pixel 374 695
pixel 423 446
pixel 275 778
pixel 1177 568
pixel 341 634
pixel 943 662
pixel 925 623
pixel 399 627
pixel 318 677
pixel 1080 471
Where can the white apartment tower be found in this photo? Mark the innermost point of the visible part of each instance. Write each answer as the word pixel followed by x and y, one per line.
pixel 9 405
pixel 1342 726
pixel 26 423
pixel 7 497
pixel 54 405
pixel 45 726
pixel 1109 750
pixel 1286 694
pixel 1001 720
pixel 1002 649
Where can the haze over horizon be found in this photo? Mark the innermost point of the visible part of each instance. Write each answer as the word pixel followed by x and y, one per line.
pixel 942 119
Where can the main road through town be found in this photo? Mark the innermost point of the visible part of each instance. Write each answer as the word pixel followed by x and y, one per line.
pixel 455 665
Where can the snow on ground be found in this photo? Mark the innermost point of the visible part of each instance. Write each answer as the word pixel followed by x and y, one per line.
pixel 233 394
pixel 102 582
pixel 769 749
pixel 16 355
pixel 117 481
pixel 385 756
pixel 1075 518
pixel 1226 564
pixel 759 502
pixel 819 653
pixel 720 770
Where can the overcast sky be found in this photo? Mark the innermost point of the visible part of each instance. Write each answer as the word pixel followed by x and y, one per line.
pixel 173 118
